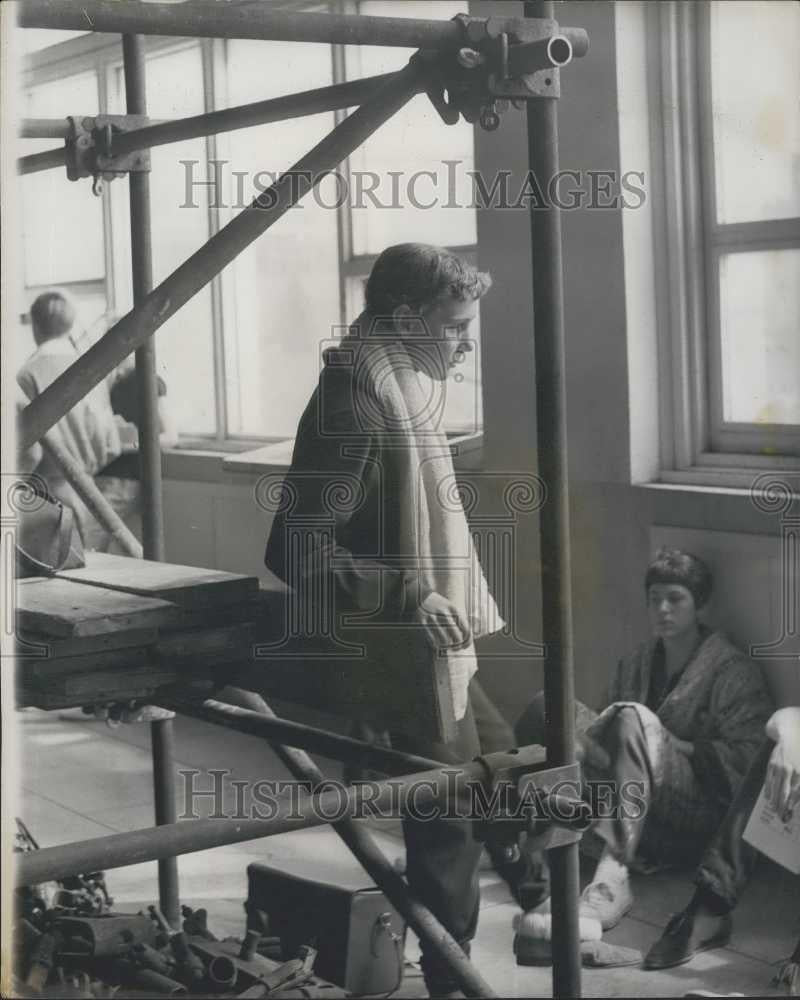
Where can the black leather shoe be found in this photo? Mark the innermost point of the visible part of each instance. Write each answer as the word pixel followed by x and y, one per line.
pixel 687 934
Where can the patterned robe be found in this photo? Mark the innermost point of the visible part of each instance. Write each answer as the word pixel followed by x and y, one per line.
pixel 720 704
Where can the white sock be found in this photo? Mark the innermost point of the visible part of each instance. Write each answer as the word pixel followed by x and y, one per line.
pixel 610 870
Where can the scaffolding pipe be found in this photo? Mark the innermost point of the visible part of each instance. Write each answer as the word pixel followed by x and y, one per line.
pixel 139 324
pixel 142 282
pixel 551 431
pixel 43 128
pixel 229 20
pixel 578 38
pixel 289 812
pixel 296 734
pixel 162 753
pixel 432 934
pixel 48 159
pixel 162 737
pixel 308 102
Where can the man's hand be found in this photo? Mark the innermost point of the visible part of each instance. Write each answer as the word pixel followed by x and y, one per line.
pixel 782 785
pixel 444 625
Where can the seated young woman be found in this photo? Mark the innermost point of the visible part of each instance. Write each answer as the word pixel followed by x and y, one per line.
pixel 685 718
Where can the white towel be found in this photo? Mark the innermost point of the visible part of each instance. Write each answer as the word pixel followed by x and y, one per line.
pixel 409 414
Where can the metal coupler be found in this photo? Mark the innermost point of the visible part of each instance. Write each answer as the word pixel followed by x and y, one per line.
pixel 90 147
pixel 520 793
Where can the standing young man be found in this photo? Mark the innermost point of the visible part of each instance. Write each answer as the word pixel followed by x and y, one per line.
pixel 371 455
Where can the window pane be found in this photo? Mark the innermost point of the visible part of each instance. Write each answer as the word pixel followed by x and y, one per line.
pixel 60 215
pixel 282 293
pixel 760 319
pixel 180 226
pixel 413 143
pixel 755 70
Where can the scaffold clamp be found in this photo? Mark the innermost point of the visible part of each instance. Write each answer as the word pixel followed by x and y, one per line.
pixel 90 147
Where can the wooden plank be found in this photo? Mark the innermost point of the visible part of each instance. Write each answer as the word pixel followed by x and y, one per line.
pixel 104 686
pixel 189 651
pixel 81 645
pixel 58 667
pixel 60 607
pixel 188 586
pixel 206 647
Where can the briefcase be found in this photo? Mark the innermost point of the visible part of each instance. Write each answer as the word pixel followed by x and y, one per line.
pixel 358 934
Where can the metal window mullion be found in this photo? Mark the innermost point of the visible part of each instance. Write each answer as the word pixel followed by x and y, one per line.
pixel 228 308
pixel 345 211
pixel 716 376
pixel 677 320
pixel 697 205
pixel 344 217
pixel 766 234
pixel 656 75
pixel 101 71
pixel 217 322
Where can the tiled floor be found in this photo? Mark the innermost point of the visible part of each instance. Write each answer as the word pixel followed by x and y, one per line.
pixel 81 779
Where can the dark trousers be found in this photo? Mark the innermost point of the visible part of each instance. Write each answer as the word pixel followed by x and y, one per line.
pixel 442 856
pixel 729 861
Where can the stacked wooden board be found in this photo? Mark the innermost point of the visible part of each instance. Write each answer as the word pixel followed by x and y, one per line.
pixel 121 628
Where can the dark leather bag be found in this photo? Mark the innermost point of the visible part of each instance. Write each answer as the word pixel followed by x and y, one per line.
pixel 48 539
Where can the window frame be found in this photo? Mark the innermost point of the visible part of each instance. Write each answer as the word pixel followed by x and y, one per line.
pixel 102 54
pixel 696 445
pixel 725 238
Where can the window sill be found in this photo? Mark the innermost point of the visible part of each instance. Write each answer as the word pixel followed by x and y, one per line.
pixel 269 457
pixel 211 466
pixel 278 456
pixel 736 472
pixel 685 486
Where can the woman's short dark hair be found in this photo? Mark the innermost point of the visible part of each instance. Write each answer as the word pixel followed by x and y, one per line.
pixel 675 566
pixel 417 275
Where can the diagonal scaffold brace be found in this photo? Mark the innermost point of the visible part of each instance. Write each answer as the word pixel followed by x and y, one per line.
pixel 175 291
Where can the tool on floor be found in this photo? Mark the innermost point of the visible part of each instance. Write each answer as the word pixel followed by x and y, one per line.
pixel 66 948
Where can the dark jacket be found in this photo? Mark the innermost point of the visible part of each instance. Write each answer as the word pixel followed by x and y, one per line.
pixel 341 510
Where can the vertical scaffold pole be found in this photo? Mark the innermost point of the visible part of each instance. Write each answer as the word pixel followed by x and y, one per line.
pixel 551 419
pixel 161 731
